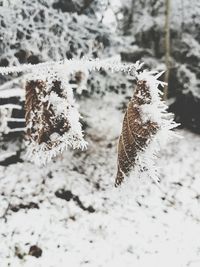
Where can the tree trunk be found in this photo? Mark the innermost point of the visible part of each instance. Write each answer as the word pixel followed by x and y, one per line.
pixel 167 46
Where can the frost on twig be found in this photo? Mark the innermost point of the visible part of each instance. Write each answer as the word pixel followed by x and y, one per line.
pixel 72 65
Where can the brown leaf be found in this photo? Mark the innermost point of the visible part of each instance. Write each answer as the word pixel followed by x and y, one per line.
pixel 40 116
pixel 135 133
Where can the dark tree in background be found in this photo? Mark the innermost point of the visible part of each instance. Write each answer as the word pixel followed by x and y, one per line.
pixel 144 23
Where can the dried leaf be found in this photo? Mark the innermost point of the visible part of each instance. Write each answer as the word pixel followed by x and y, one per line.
pixel 135 132
pixel 41 119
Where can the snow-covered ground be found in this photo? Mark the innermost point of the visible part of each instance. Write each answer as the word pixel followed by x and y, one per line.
pixel 69 213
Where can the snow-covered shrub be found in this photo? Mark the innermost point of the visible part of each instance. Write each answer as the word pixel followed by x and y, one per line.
pixel 34 31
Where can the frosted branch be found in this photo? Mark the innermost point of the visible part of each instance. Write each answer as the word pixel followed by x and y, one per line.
pixel 71 65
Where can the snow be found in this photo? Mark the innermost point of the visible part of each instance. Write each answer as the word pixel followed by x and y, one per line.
pixel 16 92
pixel 6 155
pixel 190 81
pixel 137 226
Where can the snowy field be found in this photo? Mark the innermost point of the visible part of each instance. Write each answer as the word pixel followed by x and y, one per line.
pixel 69 213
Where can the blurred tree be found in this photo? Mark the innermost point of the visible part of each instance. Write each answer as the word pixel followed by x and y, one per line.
pixel 162 44
pixel 167 47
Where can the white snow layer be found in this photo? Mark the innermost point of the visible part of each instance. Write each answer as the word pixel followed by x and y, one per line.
pixel 136 226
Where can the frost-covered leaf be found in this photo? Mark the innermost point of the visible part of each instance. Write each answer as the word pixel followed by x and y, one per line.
pixel 52 120
pixel 135 132
pixel 146 127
